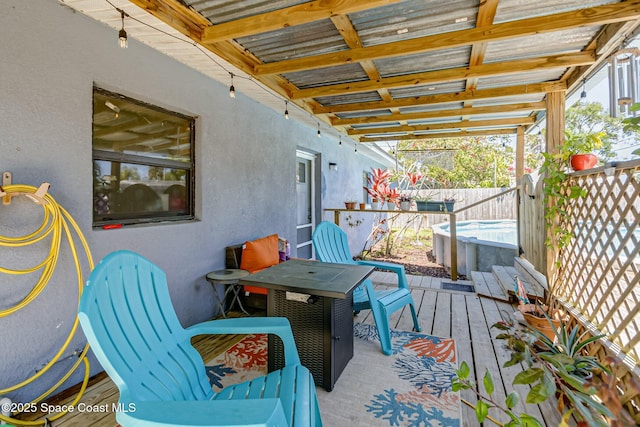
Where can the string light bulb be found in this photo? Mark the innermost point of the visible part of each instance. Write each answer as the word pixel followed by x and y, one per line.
pixel 318 130
pixel 286 109
pixel 122 34
pixel 232 89
pixel 340 142
pixel 583 95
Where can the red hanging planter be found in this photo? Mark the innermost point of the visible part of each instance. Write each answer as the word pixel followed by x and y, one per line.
pixel 583 161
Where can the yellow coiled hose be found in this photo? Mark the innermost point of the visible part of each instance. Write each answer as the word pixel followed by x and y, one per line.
pixel 55 223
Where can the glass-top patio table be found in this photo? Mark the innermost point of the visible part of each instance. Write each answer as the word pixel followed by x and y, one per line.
pixel 317 299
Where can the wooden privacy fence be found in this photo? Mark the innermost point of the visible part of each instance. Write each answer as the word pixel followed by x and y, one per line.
pixel 501 207
pixel 473 205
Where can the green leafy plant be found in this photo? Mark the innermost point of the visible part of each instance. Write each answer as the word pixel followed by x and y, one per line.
pixel 559 368
pixel 581 143
pixel 557 194
pixel 632 124
pixel 558 190
pixel 486 399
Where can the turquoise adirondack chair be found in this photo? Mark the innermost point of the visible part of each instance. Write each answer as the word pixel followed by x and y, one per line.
pixel 129 321
pixel 331 245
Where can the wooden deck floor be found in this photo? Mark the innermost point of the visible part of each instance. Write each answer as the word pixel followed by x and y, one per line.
pixel 467 317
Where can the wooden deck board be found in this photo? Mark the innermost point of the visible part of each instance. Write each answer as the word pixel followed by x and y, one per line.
pixel 487 285
pixel 506 275
pixel 442 318
pixel 484 358
pixel 460 329
pixel 465 317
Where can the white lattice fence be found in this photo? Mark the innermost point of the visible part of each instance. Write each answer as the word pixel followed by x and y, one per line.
pixel 598 273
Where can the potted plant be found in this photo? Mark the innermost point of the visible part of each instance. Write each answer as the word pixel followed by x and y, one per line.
pixel 426 204
pixel 557 191
pixel 579 147
pixel 421 203
pixel 378 186
pixel 541 317
pixel 405 202
pixel 449 202
pixel 392 197
pixel 558 368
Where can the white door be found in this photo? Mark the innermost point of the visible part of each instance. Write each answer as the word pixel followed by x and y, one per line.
pixel 305 203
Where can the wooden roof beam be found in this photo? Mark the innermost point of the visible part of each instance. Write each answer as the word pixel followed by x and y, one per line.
pixel 465 111
pixel 287 17
pixel 192 24
pixel 350 35
pixel 442 126
pixel 536 88
pixel 600 15
pixel 176 15
pixel 460 134
pixel 452 74
pixel 486 15
pixel 604 44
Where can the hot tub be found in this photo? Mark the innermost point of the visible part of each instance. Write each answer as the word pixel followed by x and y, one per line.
pixel 481 244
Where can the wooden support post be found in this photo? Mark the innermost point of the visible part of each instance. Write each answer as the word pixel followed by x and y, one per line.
pixel 520 154
pixel 336 217
pixel 520 142
pixel 453 237
pixel 555 138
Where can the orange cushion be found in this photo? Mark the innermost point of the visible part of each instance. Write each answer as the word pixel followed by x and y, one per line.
pixel 257 255
pixel 260 254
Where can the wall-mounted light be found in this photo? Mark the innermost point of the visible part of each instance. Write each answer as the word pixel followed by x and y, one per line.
pixel 286 109
pixel 318 130
pixel 340 142
pixel 583 95
pixel 333 166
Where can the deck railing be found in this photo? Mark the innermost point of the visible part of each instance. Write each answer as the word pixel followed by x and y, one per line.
pixel 477 208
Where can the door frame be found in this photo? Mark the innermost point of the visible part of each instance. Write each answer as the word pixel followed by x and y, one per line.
pixel 312 198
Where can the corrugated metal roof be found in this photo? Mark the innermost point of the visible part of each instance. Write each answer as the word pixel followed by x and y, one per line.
pixel 513 10
pixel 341 74
pixel 419 63
pixel 428 90
pixel 411 19
pixel 356 98
pixel 295 42
pixel 545 44
pixel 528 78
pixel 364 59
pixel 221 11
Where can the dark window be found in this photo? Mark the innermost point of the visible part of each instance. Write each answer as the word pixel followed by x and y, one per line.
pixel 143 165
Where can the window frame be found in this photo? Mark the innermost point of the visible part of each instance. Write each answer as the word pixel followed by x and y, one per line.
pixel 153 217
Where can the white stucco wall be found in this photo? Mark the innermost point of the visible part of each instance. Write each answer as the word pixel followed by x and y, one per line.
pixel 245 172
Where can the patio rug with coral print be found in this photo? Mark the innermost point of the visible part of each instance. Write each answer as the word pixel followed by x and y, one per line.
pixel 412 387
